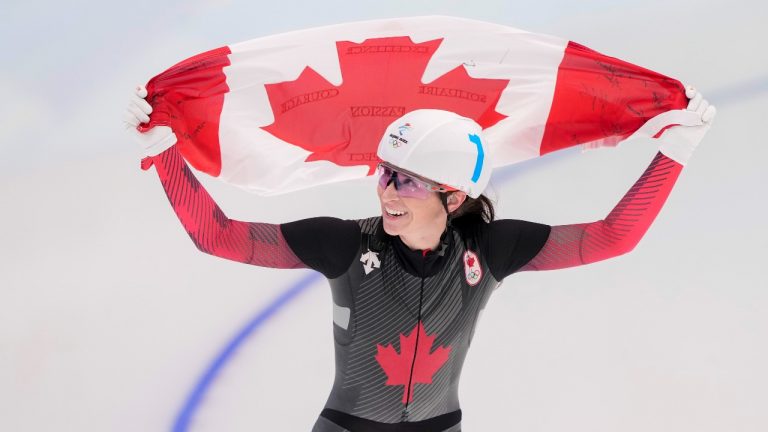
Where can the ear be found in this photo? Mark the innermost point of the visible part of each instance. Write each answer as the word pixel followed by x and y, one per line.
pixel 455 200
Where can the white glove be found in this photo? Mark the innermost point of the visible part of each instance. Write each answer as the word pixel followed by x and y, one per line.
pixel 154 141
pixel 679 142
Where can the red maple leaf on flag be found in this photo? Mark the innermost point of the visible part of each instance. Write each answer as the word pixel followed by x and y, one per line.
pixel 381 82
pixel 398 366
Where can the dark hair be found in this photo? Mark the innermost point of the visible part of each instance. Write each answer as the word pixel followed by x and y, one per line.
pixel 478 209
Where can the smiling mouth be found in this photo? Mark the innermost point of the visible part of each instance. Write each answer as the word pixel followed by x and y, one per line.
pixel 394 213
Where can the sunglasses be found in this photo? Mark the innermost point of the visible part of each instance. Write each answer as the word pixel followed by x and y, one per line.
pixel 408 184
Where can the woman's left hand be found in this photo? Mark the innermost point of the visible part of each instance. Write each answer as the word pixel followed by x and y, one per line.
pixel 679 142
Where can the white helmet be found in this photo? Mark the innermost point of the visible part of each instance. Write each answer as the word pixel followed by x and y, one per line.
pixel 441 146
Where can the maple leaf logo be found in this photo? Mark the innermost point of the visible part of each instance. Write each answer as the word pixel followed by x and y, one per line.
pixel 402 369
pixel 381 81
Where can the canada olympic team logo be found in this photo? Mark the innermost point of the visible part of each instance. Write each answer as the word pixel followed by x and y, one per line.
pixel 472 269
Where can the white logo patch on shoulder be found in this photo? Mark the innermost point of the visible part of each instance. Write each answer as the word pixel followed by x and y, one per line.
pixel 472 268
pixel 370 261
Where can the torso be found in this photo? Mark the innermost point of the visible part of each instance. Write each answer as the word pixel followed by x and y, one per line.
pixel 378 309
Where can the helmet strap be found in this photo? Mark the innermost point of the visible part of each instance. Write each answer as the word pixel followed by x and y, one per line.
pixel 444 200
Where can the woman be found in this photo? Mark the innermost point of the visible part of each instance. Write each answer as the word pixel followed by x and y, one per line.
pixel 408 285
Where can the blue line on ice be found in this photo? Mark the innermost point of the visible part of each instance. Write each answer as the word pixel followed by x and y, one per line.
pixel 184 418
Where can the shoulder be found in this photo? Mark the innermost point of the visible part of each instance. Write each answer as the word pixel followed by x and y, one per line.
pixel 325 244
pixel 517 228
pixel 369 225
pixel 509 244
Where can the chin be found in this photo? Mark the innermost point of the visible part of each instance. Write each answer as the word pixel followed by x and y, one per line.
pixel 390 229
pixel 393 228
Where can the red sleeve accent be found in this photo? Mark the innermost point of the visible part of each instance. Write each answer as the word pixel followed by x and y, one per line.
pixel 617 234
pixel 211 230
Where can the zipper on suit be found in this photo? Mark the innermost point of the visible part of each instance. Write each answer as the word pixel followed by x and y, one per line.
pixel 405 414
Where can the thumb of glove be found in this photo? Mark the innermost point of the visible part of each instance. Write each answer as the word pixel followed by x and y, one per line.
pixel 679 142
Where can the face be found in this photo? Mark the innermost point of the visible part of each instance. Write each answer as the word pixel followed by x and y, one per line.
pixel 413 216
pixel 410 210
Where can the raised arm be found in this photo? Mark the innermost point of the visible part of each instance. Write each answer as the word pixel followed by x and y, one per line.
pixel 619 232
pixel 622 229
pixel 325 244
pixel 209 228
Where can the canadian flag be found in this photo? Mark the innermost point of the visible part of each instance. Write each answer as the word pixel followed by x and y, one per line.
pixel 299 109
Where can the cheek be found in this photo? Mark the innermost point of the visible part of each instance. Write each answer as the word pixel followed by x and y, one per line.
pixel 426 210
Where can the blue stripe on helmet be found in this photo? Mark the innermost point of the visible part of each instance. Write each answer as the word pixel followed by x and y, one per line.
pixel 480 156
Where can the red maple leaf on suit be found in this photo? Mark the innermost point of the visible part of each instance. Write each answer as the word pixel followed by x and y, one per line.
pixel 381 82
pixel 402 369
pixel 470 261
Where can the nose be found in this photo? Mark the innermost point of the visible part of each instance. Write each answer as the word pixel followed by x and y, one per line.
pixel 390 193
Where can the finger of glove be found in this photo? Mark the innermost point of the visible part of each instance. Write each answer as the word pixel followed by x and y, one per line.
pixel 690 91
pixel 141 91
pixel 142 104
pixel 702 107
pixel 709 114
pixel 685 118
pixel 130 120
pixel 140 115
pixel 694 103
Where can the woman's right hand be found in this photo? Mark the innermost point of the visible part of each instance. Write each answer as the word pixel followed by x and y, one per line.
pixel 154 141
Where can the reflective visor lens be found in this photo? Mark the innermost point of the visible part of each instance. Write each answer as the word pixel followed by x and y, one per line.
pixel 405 185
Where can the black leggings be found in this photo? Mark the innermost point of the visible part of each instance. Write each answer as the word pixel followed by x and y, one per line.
pixel 355 424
